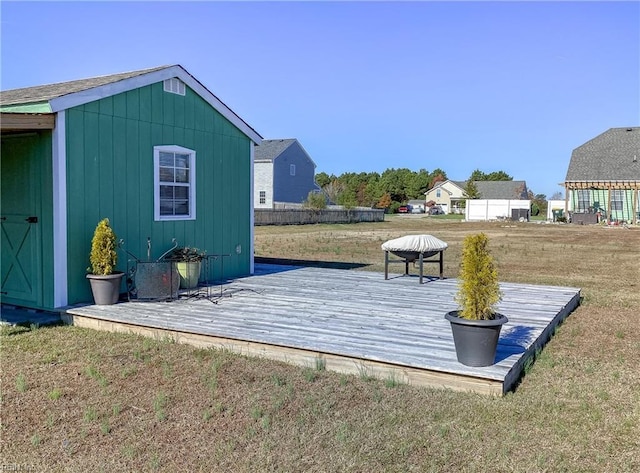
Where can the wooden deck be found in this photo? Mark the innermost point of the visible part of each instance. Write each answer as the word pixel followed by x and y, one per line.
pixel 347 321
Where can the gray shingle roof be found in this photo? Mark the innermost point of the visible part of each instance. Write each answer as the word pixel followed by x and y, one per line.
pixel 40 99
pixel 502 189
pixel 43 93
pixel 607 157
pixel 511 190
pixel 271 149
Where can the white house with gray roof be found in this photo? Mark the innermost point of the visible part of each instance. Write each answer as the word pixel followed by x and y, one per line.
pixel 283 173
pixel 603 178
pixel 450 195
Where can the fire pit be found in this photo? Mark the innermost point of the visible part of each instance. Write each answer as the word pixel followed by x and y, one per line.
pixel 412 248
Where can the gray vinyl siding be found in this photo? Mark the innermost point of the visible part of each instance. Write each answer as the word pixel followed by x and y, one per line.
pixel 288 188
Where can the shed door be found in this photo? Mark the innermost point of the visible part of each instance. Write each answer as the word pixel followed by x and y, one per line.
pixel 20 222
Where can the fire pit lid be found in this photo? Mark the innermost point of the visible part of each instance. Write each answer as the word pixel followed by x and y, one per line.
pixel 415 243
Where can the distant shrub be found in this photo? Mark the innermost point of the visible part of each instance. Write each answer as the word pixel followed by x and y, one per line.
pixel 535 209
pixel 315 200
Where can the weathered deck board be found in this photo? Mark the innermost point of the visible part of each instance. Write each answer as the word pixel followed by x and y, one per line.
pixel 352 319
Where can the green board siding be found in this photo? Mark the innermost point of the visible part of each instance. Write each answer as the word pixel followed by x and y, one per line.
pixel 27 191
pixel 110 174
pixel 599 199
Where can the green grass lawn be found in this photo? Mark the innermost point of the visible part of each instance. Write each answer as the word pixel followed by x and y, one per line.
pixel 79 400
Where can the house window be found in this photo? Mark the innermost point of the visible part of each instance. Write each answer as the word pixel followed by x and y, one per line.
pixel 438 193
pixel 174 173
pixel 292 169
pixel 584 200
pixel 617 200
pixel 263 197
pixel 174 86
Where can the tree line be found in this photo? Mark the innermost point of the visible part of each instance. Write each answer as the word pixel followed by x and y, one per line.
pixel 395 187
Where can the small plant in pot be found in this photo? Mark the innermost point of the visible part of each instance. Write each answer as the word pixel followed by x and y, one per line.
pixel 104 279
pixel 188 261
pixel 476 326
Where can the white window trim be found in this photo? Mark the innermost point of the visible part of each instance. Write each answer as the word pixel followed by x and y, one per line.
pixel 292 169
pixel 156 182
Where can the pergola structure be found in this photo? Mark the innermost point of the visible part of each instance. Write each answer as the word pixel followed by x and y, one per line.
pixel 606 188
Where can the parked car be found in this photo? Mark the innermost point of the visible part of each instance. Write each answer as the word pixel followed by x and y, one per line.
pixel 404 209
pixel 436 210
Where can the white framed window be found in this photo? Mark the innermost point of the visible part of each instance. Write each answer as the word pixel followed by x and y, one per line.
pixel 617 200
pixel 263 197
pixel 174 176
pixel 292 169
pixel 438 193
pixel 174 86
pixel 584 200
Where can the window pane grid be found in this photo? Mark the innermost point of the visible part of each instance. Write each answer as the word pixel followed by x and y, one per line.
pixel 584 200
pixel 617 200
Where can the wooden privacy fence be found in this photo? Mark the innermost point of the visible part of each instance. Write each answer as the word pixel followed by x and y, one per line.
pixel 308 216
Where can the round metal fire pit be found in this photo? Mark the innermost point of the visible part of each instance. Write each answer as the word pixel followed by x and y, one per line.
pixel 412 256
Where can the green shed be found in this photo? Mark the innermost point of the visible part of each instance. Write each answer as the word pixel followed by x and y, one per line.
pixel 76 152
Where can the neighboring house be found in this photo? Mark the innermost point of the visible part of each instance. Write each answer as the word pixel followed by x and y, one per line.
pixel 603 177
pixel 450 195
pixel 152 150
pixel 283 173
pixel 499 200
pixel 500 190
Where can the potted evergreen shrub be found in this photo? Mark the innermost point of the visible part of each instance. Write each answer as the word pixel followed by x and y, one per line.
pixel 104 279
pixel 476 326
pixel 188 261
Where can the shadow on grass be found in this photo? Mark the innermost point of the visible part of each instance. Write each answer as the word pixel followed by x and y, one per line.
pixel 21 316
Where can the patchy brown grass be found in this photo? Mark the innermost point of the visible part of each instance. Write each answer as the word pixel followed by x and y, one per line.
pixel 78 400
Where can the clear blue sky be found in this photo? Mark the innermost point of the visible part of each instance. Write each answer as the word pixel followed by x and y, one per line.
pixel 366 86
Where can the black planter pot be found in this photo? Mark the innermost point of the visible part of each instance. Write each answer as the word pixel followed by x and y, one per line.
pixel 475 340
pixel 106 289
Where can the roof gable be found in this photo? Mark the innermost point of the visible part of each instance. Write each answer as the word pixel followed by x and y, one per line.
pixel 64 95
pixel 611 156
pixel 271 149
pixel 448 186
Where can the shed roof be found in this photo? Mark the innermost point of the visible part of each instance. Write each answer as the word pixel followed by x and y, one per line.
pixel 611 156
pixel 60 96
pixel 44 93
